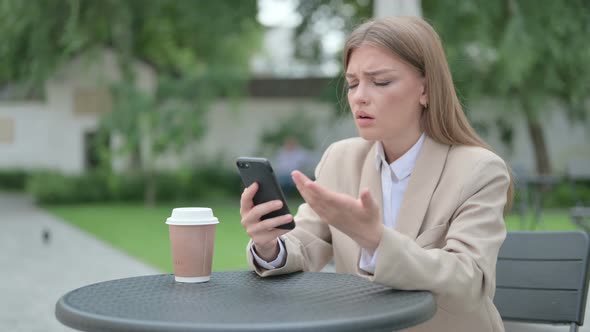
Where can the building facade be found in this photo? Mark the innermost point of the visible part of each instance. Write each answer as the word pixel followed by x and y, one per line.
pixel 55 133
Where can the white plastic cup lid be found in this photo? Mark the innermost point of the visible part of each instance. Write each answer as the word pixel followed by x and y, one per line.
pixel 192 216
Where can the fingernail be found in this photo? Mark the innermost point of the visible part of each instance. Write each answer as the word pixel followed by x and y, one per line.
pixel 278 204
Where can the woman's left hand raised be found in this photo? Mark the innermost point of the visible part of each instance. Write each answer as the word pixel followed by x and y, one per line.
pixel 358 218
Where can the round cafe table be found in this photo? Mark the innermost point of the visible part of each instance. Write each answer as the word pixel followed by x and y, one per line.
pixel 243 301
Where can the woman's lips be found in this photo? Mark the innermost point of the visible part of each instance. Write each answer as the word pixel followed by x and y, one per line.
pixel 363 119
pixel 365 122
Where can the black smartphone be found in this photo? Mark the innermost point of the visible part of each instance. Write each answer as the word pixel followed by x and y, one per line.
pixel 259 170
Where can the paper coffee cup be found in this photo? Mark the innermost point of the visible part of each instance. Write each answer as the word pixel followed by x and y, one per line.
pixel 192 236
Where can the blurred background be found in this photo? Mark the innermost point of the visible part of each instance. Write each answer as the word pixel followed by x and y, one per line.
pixel 113 112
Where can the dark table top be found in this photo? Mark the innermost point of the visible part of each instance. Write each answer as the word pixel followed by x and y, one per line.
pixel 242 301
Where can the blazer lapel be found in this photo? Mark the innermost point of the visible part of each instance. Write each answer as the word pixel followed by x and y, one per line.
pixel 371 178
pixel 423 181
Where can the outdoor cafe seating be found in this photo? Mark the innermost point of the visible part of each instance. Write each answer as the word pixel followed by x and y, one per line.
pixel 542 277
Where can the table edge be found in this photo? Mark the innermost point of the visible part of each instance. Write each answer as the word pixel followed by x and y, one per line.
pixel 84 321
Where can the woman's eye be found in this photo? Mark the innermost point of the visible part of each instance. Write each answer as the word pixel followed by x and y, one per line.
pixel 351 86
pixel 382 83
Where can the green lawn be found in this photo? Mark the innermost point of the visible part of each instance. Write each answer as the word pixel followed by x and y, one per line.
pixel 552 220
pixel 142 232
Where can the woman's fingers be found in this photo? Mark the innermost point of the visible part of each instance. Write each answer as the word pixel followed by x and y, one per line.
pixel 368 201
pixel 265 208
pixel 246 203
pixel 270 224
pixel 264 232
pixel 320 199
pixel 305 186
pixel 300 180
pixel 253 212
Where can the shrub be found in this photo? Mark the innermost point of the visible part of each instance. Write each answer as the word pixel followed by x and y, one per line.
pixel 563 195
pixel 205 181
pixel 13 179
pixel 55 188
pixel 127 187
pixel 51 187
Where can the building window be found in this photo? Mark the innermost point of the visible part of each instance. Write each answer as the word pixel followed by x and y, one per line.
pixel 6 130
pixel 92 101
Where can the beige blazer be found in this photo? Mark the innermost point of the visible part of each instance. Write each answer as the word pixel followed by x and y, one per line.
pixel 446 240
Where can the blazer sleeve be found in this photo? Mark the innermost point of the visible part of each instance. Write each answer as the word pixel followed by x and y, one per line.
pixel 309 245
pixel 463 271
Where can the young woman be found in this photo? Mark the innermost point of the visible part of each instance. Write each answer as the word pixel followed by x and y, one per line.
pixel 415 203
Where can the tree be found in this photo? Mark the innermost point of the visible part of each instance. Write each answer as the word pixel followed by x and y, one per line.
pixel 321 16
pixel 525 53
pixel 173 36
pixel 200 50
pixel 522 52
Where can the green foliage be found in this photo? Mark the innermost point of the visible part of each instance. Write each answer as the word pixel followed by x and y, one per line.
pixel 207 181
pixel 528 49
pixel 53 187
pixel 551 220
pixel 173 36
pixel 523 53
pixel 158 125
pixel 496 48
pixel 170 118
pixel 318 18
pixel 563 195
pixel 13 179
pixel 200 51
pixel 321 16
pixel 568 195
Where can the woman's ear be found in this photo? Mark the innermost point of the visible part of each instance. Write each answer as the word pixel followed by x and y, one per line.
pixel 423 96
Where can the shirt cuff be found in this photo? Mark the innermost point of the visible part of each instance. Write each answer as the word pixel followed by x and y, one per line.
pixel 368 261
pixel 278 262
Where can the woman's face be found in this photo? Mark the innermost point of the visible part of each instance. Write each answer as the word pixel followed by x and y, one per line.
pixel 385 94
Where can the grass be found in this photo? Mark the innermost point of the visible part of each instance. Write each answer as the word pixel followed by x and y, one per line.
pixel 142 233
pixel 551 220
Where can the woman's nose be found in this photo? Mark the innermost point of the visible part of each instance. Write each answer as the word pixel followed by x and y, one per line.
pixel 358 95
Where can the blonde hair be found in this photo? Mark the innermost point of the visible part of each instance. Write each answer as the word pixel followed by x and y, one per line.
pixel 414 41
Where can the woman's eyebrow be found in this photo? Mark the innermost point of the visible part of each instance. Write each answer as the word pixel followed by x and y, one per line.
pixel 371 73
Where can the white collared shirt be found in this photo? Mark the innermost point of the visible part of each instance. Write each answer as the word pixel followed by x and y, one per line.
pixel 395 178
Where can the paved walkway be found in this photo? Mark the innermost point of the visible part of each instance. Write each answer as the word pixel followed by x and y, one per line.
pixel 34 274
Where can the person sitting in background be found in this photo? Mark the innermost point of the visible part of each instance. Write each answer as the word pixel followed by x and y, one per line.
pixel 291 156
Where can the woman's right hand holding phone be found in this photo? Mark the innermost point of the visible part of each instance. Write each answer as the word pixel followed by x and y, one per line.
pixel 263 233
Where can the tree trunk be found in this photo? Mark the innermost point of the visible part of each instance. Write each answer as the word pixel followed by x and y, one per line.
pixel 537 139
